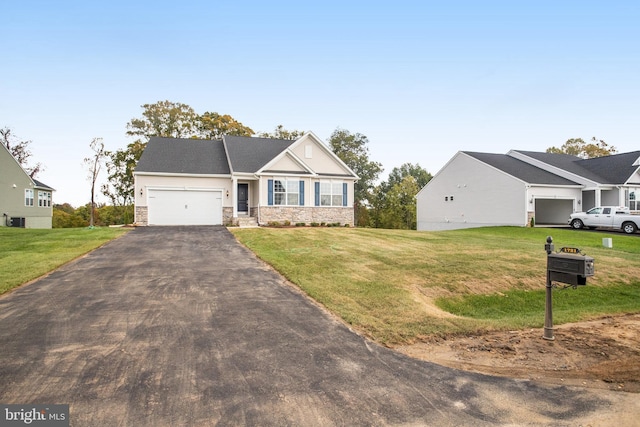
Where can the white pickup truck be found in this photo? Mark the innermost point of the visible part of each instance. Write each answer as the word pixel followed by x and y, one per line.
pixel 607 217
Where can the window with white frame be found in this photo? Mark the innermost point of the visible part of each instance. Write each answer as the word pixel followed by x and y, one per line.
pixel 632 198
pixel 331 193
pixel 286 192
pixel 44 199
pixel 28 197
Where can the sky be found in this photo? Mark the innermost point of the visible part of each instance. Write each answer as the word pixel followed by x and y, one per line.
pixel 421 79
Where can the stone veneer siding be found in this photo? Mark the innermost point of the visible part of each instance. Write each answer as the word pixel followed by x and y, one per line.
pixel 227 216
pixel 142 217
pixel 530 214
pixel 306 214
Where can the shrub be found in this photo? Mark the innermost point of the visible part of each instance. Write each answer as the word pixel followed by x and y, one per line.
pixel 300 224
pixel 314 224
pixel 286 223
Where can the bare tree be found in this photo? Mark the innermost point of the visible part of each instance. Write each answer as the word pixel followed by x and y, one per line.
pixel 20 151
pixel 94 164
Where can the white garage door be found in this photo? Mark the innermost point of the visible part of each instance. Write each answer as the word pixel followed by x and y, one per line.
pixel 185 207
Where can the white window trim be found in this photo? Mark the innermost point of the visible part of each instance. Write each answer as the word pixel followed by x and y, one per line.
pixel 285 182
pixel 44 199
pixel 331 194
pixel 28 199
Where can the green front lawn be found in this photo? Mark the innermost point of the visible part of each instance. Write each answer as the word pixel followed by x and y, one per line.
pixel 26 254
pixel 397 286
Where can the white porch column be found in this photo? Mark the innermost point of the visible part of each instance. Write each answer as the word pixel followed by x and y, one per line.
pixel 234 197
pixel 598 194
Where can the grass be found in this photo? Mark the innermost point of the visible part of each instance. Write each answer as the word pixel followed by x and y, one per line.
pixel 26 254
pixel 523 308
pixel 400 286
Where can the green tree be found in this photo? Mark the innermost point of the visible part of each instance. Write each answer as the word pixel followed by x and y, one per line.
pixel 400 208
pixel 281 133
pixel 353 150
pixel 215 126
pixel 578 147
pixel 164 119
pixel 120 185
pixel 20 151
pixel 65 216
pixel 408 169
pixel 385 210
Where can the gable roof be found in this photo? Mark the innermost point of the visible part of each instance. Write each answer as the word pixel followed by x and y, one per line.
pixel 234 154
pixel 519 169
pixel 304 168
pixel 190 156
pixel 249 155
pixel 41 185
pixel 614 169
pixel 37 184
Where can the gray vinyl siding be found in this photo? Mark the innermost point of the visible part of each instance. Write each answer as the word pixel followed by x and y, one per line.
pixel 482 196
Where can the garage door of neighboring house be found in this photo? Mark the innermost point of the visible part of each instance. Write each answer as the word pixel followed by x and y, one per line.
pixel 185 207
pixel 553 211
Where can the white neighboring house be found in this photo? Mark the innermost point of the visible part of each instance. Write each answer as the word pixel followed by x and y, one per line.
pixel 242 180
pixel 483 189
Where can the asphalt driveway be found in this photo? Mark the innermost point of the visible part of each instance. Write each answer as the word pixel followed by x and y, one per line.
pixel 182 326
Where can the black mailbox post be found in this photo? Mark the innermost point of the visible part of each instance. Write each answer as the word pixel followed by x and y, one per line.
pixel 567 266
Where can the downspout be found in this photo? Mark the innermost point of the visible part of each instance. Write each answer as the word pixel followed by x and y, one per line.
pixel 259 198
pixel 622 200
pixel 528 196
pixel 234 196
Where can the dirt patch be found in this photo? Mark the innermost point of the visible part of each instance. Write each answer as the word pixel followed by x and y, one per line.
pixel 603 353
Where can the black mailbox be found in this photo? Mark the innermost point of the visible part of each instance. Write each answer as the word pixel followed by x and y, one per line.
pixel 570 268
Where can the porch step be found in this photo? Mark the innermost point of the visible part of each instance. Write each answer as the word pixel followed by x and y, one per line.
pixel 248 221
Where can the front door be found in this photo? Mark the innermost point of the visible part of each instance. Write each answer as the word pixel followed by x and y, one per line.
pixel 243 198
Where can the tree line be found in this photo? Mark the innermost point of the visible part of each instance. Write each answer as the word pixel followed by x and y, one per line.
pixel 387 204
pixel 390 204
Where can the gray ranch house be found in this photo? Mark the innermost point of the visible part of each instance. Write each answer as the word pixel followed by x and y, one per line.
pixel 242 181
pixel 24 202
pixel 483 189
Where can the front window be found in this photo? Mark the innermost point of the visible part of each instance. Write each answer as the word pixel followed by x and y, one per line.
pixel 594 211
pixel 286 192
pixel 632 198
pixel 44 199
pixel 28 197
pixel 331 193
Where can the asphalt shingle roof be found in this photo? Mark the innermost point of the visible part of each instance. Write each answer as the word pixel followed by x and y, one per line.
pixel 614 169
pixel 248 154
pixel 519 169
pixel 41 184
pixel 194 156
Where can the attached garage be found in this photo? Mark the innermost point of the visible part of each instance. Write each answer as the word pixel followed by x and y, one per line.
pixel 184 206
pixel 553 211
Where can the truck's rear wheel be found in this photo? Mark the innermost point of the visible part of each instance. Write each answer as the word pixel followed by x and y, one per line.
pixel 577 224
pixel 629 227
